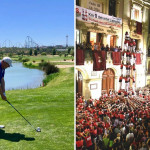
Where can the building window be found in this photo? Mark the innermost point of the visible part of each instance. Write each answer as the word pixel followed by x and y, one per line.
pixel 78 2
pixel 112 8
pixel 93 37
pixel 136 13
pixel 95 6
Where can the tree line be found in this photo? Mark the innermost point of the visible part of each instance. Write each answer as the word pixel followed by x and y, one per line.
pixel 36 51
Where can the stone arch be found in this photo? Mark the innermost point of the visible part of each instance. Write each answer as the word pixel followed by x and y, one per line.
pixel 83 72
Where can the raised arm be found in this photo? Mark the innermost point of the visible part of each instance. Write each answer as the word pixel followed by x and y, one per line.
pixel 2 89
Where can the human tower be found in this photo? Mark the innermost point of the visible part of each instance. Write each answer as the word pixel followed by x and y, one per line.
pixel 128 67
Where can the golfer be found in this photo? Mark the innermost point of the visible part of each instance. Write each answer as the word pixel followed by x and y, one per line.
pixel 5 63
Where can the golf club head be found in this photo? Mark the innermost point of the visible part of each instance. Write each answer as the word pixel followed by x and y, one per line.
pixel 38 129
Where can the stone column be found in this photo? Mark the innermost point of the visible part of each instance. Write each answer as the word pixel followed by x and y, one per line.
pixel 117 8
pixel 105 39
pixel 86 89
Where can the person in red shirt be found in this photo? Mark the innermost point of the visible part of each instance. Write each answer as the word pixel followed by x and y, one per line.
pixel 79 143
pixel 88 140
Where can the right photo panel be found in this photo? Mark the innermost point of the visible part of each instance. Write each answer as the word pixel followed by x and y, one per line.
pixel 112 74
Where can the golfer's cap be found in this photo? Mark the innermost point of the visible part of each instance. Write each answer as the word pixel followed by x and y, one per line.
pixel 8 61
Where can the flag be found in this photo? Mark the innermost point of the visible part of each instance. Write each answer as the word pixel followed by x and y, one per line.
pixel 116 56
pixel 139 28
pixel 99 60
pixel 80 57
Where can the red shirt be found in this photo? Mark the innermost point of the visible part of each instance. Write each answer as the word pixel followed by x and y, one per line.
pixel 88 141
pixel 95 132
pixel 79 143
pixel 78 134
pixel 99 130
pixel 122 116
pixel 107 125
pixel 100 112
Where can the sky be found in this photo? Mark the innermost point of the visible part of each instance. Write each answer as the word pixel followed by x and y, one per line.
pixel 47 22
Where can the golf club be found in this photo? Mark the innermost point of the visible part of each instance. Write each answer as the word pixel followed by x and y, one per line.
pixel 38 128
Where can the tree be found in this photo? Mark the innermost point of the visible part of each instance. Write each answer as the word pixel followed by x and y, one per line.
pixel 38 49
pixel 69 49
pixel 72 53
pixel 35 52
pixel 22 53
pixel 65 55
pixel 54 51
pixel 30 52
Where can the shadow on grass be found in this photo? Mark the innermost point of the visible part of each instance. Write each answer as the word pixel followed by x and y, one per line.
pixel 14 137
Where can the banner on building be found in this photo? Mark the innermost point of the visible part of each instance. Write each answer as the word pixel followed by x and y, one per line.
pixel 90 16
pixel 116 57
pixel 99 60
pixel 80 57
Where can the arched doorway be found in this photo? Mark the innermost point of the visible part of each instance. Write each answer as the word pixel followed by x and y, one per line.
pixel 79 83
pixel 108 80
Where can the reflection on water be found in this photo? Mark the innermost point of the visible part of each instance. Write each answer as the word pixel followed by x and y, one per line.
pixel 19 77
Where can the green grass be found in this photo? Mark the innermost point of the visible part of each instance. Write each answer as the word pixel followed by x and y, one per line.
pixel 48 58
pixel 36 64
pixel 62 63
pixel 51 108
pixel 55 60
pixel 49 78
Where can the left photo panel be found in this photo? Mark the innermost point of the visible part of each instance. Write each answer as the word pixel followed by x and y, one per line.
pixel 37 75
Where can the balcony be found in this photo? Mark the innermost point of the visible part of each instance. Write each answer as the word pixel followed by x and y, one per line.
pixel 100 57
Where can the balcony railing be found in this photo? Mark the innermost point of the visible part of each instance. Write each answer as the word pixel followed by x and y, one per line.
pixel 99 57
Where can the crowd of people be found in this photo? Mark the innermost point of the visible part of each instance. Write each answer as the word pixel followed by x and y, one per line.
pixel 108 48
pixel 113 122
pixel 113 49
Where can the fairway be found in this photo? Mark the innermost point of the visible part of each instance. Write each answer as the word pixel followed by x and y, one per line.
pixel 51 108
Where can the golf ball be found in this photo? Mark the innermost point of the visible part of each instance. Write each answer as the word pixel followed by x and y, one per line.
pixel 38 129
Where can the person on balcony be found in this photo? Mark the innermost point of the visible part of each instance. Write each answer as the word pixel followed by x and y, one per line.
pixel 107 48
pixel 102 47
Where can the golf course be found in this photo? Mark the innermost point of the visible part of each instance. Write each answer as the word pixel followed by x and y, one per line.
pixel 50 107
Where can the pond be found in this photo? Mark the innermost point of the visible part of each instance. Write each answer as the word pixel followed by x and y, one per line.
pixel 20 77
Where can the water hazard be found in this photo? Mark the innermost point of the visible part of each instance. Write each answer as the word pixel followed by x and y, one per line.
pixel 20 77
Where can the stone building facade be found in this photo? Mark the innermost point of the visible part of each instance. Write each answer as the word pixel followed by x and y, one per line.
pixel 105 22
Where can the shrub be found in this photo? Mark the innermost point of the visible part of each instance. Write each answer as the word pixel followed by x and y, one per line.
pixel 48 68
pixel 65 55
pixel 42 60
pixel 34 61
pixel 20 58
pixel 10 54
pixel 25 60
pixel 30 64
pixel 43 53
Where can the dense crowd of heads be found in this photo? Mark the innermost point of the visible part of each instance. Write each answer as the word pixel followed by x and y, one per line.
pixel 113 123
pixel 111 48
